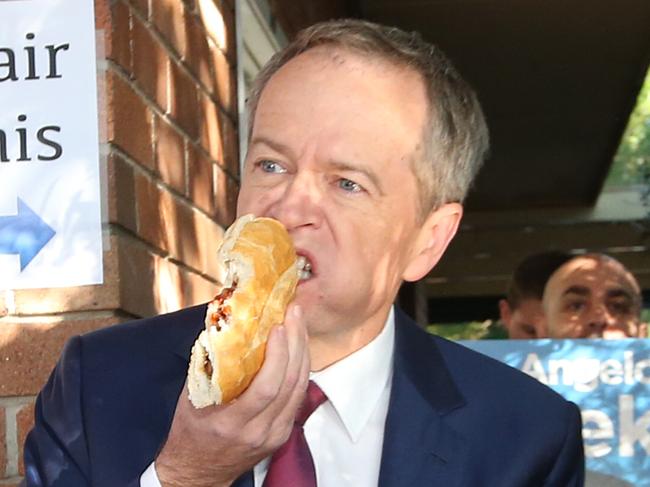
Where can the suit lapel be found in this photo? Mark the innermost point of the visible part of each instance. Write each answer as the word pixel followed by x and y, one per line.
pixel 182 338
pixel 419 447
pixel 168 343
pixel 246 480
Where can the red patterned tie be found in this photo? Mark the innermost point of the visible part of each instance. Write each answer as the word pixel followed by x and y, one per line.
pixel 292 465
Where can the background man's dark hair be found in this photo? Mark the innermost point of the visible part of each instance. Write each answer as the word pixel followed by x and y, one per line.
pixel 531 274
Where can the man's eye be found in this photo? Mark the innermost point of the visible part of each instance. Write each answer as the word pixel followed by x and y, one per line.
pixel 620 308
pixel 575 306
pixel 271 167
pixel 529 330
pixel 349 185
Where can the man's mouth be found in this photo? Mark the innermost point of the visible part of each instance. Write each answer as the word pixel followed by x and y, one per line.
pixel 304 268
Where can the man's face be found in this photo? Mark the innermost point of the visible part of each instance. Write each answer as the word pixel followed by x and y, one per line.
pixel 330 157
pixel 592 297
pixel 526 321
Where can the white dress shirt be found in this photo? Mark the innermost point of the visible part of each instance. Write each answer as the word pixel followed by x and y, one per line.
pixel 345 434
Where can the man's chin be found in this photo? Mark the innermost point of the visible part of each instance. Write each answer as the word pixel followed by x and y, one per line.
pixel 305 295
pixel 614 335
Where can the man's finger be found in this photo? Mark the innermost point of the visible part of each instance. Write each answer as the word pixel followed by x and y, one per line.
pixel 297 343
pixel 285 416
pixel 266 385
pixel 281 412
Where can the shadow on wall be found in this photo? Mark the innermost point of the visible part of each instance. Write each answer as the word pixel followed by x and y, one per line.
pixel 177 68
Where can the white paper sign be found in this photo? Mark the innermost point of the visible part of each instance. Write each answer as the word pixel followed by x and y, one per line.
pixel 50 218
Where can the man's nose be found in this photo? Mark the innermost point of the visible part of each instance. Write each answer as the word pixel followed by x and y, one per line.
pixel 600 321
pixel 299 204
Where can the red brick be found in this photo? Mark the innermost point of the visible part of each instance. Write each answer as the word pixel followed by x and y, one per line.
pixel 142 6
pixel 3 443
pixel 196 289
pixel 102 106
pixel 211 132
pixel 224 29
pixel 201 180
pixel 220 24
pixel 160 218
pixel 167 286
pixel 184 105
pixel 201 237
pixel 208 235
pixel 136 278
pixel 170 155
pixel 150 65
pixel 150 221
pixel 171 211
pixel 226 198
pixel 226 80
pixel 230 137
pixel 41 338
pixel 228 12
pixel 129 123
pixel 188 247
pixel 198 52
pixel 103 18
pixel 119 48
pixel 103 25
pixel 190 5
pixel 24 423
pixel 121 193
pixel 169 18
pixel 83 298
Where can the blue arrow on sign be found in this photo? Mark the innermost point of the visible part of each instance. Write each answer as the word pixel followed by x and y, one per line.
pixel 24 234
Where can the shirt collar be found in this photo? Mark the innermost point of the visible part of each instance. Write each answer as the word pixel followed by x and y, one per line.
pixel 354 384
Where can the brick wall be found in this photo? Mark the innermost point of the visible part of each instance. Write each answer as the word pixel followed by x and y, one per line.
pixel 170 146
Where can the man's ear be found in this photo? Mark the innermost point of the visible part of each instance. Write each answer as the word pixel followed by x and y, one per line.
pixel 432 240
pixel 542 330
pixel 505 313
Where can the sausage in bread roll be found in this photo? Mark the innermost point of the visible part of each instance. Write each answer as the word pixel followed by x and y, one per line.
pixel 261 277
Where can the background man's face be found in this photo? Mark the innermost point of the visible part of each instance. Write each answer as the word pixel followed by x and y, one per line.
pixel 525 321
pixel 592 298
pixel 330 156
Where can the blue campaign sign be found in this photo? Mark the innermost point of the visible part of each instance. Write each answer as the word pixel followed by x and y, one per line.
pixel 24 234
pixel 609 380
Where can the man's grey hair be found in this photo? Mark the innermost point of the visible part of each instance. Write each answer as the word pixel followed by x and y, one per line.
pixel 455 138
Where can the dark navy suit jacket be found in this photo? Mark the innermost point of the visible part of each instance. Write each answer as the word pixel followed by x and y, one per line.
pixel 456 418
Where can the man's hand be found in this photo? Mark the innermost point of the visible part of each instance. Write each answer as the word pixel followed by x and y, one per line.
pixel 215 445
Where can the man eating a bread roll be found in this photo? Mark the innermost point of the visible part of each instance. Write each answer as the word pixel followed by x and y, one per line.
pixel 364 140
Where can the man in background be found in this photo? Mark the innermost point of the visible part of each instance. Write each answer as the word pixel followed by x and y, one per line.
pixel 521 311
pixel 593 296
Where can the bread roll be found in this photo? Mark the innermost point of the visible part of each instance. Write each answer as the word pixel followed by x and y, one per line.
pixel 261 277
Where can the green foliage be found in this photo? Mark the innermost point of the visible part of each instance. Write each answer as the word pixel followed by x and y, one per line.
pixel 474 330
pixel 645 315
pixel 632 160
pixel 486 330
